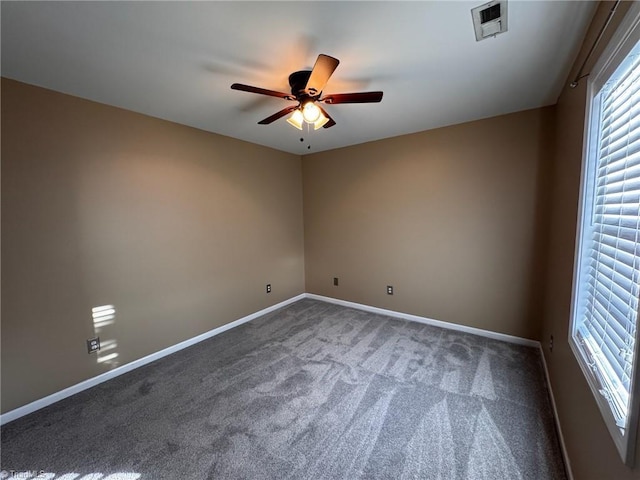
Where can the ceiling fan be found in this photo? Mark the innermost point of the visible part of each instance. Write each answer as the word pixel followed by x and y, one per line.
pixel 306 90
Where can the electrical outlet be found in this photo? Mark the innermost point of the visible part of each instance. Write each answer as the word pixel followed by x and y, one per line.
pixel 551 343
pixel 335 281
pixel 93 345
pixel 268 288
pixel 389 289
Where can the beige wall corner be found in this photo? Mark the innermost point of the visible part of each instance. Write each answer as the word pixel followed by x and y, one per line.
pixel 448 217
pixel 180 230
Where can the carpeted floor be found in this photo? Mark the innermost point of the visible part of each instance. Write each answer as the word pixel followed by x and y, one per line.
pixel 311 391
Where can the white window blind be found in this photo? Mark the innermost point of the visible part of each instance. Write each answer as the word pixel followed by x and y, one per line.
pixel 609 279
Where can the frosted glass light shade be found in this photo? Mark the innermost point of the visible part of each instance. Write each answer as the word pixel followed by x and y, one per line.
pixel 296 119
pixel 311 112
pixel 320 122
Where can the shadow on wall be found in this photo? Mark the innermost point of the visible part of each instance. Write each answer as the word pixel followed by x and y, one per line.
pixel 542 219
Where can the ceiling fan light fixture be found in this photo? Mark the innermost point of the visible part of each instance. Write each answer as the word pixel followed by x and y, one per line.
pixel 296 119
pixel 321 122
pixel 311 112
pixel 306 89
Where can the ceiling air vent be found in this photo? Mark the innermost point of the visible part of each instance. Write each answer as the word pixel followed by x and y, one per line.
pixel 490 19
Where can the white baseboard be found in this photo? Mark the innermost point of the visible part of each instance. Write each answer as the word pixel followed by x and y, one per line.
pixel 429 321
pixel 563 445
pixel 67 392
pixel 477 331
pixel 91 382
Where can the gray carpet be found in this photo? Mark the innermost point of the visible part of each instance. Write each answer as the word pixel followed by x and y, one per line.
pixel 311 391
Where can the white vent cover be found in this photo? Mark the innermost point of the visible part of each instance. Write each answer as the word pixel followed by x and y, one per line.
pixel 490 19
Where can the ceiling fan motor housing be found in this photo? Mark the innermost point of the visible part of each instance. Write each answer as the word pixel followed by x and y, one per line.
pixel 298 82
pixel 306 89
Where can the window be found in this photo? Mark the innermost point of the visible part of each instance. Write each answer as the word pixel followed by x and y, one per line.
pixel 604 327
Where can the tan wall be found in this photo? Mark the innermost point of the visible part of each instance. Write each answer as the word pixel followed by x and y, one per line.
pixel 592 453
pixel 179 229
pixel 448 217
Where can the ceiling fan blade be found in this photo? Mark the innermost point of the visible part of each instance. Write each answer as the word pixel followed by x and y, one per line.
pixel 331 121
pixel 277 115
pixel 261 91
pixel 322 70
pixel 360 97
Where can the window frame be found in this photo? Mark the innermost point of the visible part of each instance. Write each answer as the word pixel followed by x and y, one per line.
pixel 623 41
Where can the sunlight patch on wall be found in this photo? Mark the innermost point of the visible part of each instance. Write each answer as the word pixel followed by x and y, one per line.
pixel 104 320
pixel 103 316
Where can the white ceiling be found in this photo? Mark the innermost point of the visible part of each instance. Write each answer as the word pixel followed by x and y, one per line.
pixel 177 60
